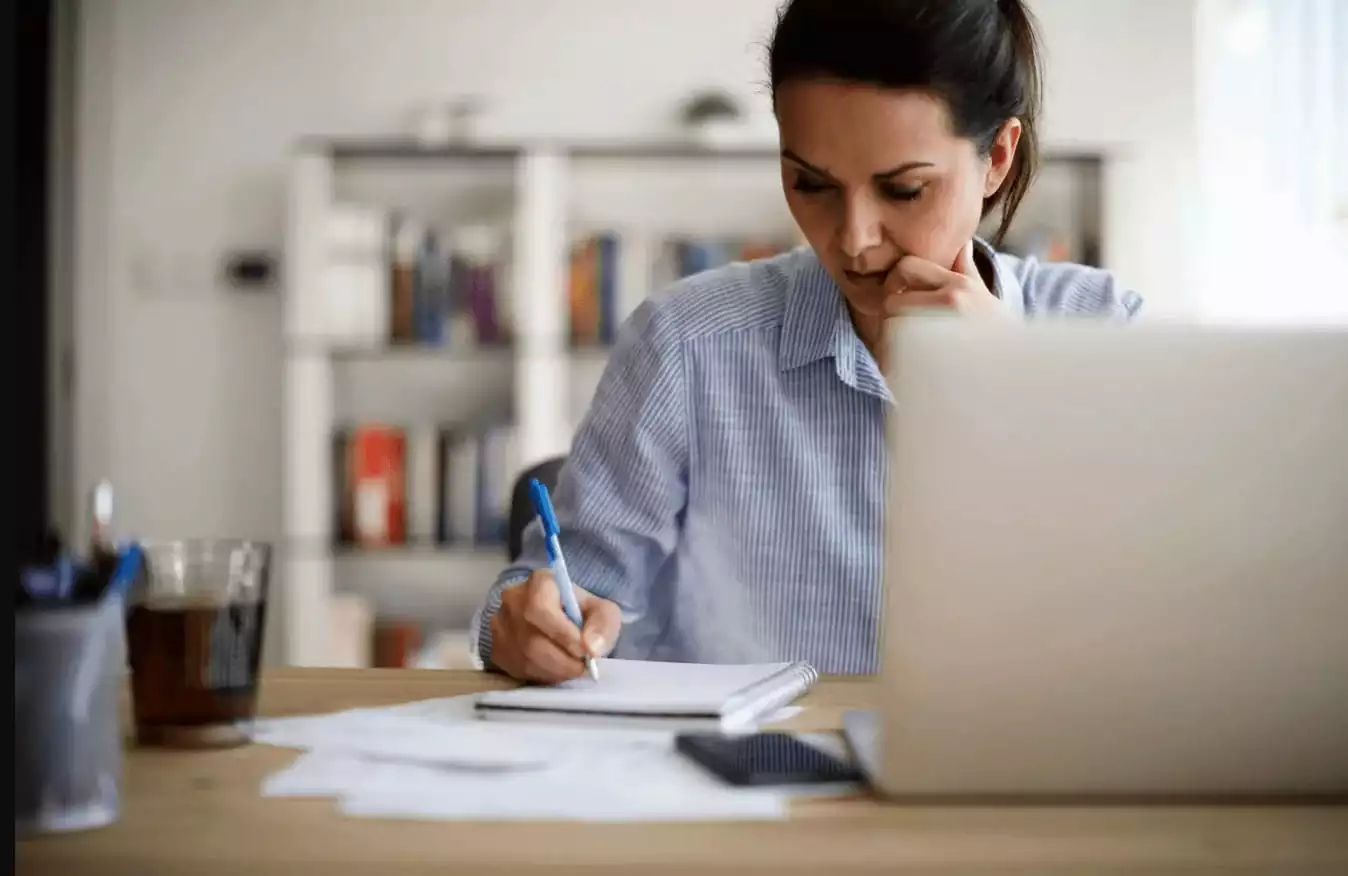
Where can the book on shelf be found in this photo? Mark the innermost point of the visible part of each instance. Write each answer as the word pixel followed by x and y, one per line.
pixel 477 274
pixel 356 281
pixel 350 631
pixel 405 243
pixel 396 278
pixel 424 485
pixel 359 638
pixel 477 471
pixel 496 470
pixel 1053 246
pixel 458 458
pixel 590 290
pixel 371 499
pixel 396 643
pixel 691 255
pixel 611 272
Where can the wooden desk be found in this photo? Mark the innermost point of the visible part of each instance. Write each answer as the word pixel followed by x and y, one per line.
pixel 199 813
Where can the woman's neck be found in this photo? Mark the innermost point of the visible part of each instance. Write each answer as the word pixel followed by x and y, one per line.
pixel 871 330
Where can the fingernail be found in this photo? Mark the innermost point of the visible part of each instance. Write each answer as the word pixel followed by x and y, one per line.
pixel 595 644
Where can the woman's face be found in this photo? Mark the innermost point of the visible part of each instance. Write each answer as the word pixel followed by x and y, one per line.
pixel 873 174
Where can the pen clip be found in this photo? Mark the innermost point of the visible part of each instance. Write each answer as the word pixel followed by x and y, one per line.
pixel 543 506
pixel 124 574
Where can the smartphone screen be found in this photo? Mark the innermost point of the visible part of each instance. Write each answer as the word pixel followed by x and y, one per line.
pixel 764 759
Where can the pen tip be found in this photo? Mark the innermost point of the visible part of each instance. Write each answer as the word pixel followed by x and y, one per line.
pixel 593 666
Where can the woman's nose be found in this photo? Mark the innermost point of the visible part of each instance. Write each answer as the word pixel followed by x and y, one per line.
pixel 860 227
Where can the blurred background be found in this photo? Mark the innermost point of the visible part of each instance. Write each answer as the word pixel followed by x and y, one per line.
pixel 334 273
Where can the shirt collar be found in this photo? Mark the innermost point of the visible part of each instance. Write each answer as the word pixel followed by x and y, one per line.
pixel 1005 285
pixel 816 323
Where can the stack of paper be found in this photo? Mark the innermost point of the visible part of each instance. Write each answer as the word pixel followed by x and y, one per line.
pixel 433 760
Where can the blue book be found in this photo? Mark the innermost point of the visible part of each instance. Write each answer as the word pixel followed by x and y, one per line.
pixel 694 257
pixel 496 470
pixel 430 292
pixel 608 287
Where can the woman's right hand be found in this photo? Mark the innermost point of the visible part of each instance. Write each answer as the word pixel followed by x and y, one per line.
pixel 532 639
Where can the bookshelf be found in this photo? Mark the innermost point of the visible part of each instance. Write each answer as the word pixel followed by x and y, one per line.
pixel 1062 217
pixel 344 371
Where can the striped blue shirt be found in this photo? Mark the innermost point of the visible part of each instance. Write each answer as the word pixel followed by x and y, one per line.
pixel 725 486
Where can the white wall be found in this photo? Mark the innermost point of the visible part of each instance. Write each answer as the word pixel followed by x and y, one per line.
pixel 1121 75
pixel 188 107
pixel 1273 133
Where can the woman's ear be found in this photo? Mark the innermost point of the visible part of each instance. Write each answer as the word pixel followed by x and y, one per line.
pixel 1002 156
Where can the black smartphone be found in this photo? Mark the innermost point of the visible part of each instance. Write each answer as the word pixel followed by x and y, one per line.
pixel 764 759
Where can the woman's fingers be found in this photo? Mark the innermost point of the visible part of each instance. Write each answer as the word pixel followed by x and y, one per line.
pixel 603 622
pixel 920 274
pixel 943 299
pixel 919 284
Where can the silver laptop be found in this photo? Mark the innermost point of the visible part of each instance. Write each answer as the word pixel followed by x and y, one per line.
pixel 1117 564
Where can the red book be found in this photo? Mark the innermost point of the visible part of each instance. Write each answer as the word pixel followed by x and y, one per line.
pixel 378 510
pixel 395 644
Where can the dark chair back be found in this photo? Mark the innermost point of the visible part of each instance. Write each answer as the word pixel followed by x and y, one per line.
pixel 522 506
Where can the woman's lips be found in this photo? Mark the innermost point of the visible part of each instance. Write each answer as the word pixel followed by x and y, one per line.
pixel 866 278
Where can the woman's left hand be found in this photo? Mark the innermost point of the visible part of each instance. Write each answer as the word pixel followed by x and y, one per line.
pixel 917 284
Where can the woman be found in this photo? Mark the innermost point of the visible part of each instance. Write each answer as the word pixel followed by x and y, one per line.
pixel 723 498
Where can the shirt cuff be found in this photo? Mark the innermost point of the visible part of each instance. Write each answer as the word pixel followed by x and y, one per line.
pixel 479 636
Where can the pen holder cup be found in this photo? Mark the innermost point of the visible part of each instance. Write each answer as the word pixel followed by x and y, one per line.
pixel 69 665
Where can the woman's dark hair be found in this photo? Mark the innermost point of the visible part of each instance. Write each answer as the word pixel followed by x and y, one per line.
pixel 980 56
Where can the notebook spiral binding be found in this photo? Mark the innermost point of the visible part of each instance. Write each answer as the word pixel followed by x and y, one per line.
pixel 760 700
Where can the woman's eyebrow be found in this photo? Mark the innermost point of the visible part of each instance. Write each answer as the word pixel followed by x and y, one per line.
pixel 884 174
pixel 902 168
pixel 791 156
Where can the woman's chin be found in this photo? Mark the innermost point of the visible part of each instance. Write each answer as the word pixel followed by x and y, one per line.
pixel 866 302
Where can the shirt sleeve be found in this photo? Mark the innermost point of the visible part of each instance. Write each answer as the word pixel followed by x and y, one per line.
pixel 622 490
pixel 1060 288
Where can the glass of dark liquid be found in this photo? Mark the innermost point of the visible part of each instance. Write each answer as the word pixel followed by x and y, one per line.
pixel 194 641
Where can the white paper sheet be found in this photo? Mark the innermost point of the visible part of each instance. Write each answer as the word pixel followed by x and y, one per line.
pixel 432 760
pixel 431 732
pixel 616 780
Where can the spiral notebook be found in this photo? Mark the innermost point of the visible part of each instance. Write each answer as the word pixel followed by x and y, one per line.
pixel 729 696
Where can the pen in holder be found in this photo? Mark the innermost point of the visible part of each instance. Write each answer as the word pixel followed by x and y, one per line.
pixel 69 662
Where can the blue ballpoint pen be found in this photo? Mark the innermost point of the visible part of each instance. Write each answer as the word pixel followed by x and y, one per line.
pixel 543 507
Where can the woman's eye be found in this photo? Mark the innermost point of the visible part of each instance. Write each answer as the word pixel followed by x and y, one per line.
pixel 809 186
pixel 901 193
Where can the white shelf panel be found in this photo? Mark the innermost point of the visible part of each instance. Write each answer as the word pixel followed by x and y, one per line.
pixel 537 259
pixel 423 386
pixel 438 586
pixel 299 602
pixel 455 193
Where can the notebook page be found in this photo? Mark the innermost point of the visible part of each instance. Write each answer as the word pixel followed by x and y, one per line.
pixel 641 687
